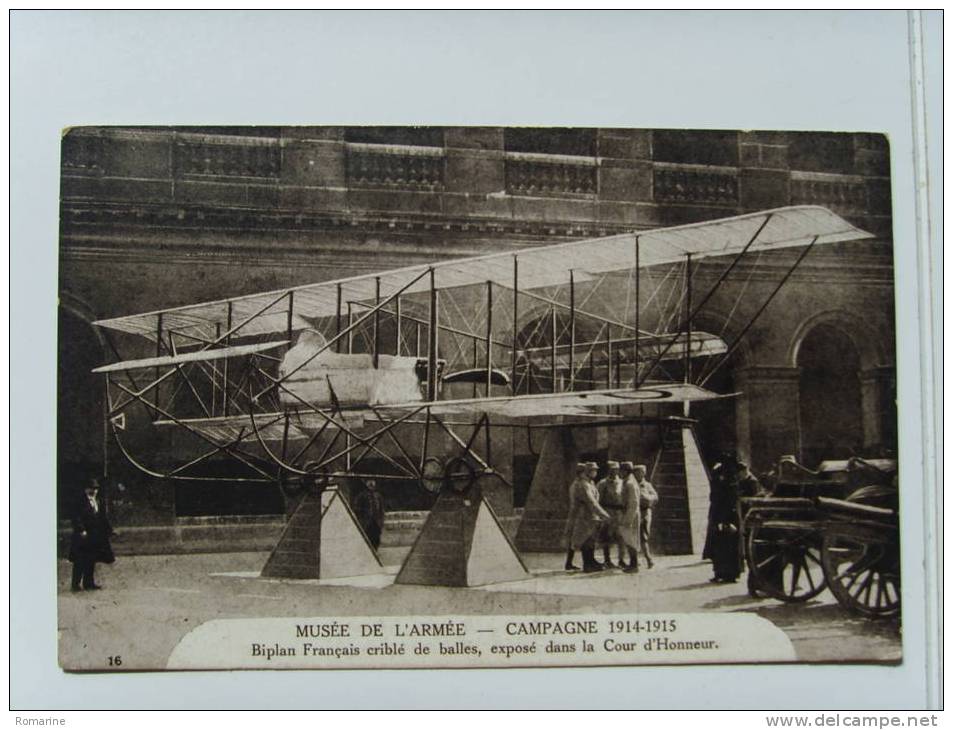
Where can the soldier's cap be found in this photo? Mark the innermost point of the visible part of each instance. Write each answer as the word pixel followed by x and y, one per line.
pixel 639 466
pixel 612 465
pixel 592 465
pixel 582 467
pixel 625 465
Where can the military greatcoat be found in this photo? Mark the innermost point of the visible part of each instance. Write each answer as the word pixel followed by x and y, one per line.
pixel 631 520
pixel 610 498
pixel 585 514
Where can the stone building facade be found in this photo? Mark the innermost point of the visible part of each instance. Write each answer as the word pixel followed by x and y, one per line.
pixel 158 217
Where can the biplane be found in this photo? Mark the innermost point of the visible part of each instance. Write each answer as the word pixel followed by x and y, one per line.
pixel 326 378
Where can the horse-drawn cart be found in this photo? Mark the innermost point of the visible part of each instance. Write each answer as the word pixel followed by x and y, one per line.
pixel 835 528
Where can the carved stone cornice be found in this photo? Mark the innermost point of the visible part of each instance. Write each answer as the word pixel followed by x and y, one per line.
pixel 141 232
pixel 77 214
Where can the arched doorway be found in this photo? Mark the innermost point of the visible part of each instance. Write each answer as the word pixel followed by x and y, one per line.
pixel 829 390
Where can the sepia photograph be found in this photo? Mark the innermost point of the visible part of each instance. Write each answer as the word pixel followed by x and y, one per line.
pixel 407 397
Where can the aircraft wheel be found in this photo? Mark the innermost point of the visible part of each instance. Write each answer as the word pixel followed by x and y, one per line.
pixel 432 474
pixel 459 475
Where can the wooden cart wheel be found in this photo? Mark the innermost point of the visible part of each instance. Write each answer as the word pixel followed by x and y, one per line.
pixel 785 561
pixel 863 570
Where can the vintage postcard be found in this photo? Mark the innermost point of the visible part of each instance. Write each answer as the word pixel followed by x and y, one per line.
pixel 463 397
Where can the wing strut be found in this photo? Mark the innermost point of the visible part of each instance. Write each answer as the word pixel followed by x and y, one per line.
pixel 744 331
pixel 711 292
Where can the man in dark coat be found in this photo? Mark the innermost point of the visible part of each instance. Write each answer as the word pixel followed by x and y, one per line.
pixel 369 510
pixel 748 484
pixel 90 540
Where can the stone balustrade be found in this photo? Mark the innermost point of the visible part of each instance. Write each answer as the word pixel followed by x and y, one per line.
pixel 294 172
pixel 227 156
pixel 532 174
pixel 840 192
pixel 395 165
pixel 674 183
pixel 82 152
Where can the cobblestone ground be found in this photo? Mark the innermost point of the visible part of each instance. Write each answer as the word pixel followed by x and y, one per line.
pixel 148 603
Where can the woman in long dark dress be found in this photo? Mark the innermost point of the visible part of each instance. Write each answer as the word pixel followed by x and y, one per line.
pixel 89 543
pixel 717 474
pixel 733 482
pixel 724 530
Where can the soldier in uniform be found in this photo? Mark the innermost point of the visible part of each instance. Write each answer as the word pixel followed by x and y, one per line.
pixel 585 514
pixel 630 524
pixel 648 498
pixel 582 469
pixel 610 498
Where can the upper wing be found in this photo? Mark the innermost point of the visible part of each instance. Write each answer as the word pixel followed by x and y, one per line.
pixel 279 311
pixel 220 353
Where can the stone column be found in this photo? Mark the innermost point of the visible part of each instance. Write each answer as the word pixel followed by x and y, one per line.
pixel 625 176
pixel 768 414
pixel 874 383
pixel 764 176
pixel 313 169
pixel 475 174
